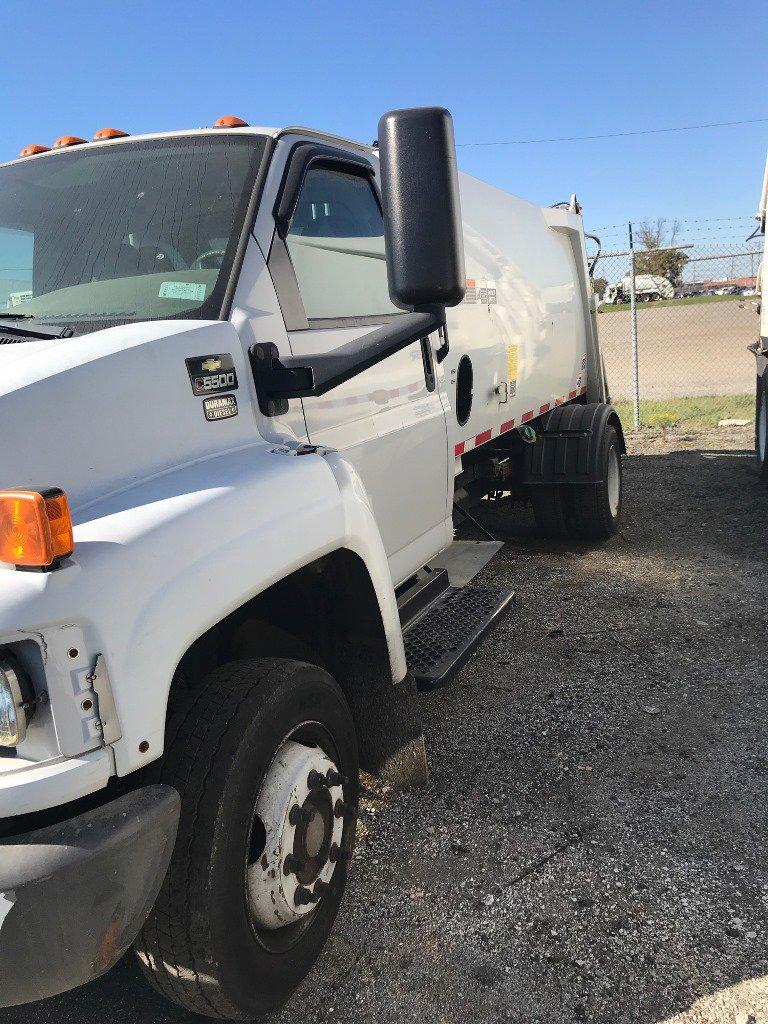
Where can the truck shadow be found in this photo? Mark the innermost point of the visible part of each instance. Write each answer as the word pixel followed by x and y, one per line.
pixel 593 845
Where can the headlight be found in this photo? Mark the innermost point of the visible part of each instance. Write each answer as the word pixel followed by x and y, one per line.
pixel 15 704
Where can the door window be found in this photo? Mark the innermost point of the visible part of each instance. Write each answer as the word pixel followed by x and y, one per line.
pixel 336 245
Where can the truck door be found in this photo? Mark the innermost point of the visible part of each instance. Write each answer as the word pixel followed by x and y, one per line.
pixel 329 271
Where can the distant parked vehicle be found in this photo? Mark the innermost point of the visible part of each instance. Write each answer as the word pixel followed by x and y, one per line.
pixel 648 288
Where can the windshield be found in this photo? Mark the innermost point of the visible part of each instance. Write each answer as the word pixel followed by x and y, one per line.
pixel 146 230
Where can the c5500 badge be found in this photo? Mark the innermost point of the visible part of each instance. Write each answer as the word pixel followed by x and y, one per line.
pixel 211 374
pixel 220 408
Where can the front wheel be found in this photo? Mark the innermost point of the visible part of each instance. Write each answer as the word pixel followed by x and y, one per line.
pixel 264 757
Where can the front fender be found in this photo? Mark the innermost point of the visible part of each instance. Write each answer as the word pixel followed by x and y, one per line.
pixel 157 565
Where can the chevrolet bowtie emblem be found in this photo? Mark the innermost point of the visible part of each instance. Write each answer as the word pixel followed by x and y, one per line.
pixel 209 365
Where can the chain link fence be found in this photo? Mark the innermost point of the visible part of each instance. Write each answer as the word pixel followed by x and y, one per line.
pixel 674 320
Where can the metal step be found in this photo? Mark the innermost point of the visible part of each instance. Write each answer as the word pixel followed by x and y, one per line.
pixel 426 587
pixel 441 639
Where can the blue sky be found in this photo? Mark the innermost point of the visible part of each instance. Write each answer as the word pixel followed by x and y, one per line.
pixel 505 70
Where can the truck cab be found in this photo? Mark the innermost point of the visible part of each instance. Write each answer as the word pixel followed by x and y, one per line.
pixel 248 376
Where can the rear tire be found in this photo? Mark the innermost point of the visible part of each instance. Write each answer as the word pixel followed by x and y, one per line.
pixel 575 473
pixel 597 506
pixel 203 946
pixel 550 509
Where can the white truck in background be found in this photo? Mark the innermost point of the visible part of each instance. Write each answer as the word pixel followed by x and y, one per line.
pixel 246 375
pixel 648 288
pixel 760 346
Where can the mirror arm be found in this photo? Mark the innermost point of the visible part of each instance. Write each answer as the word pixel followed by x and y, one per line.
pixel 445 347
pixel 278 380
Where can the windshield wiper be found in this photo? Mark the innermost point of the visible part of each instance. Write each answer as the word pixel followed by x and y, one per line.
pixel 17 316
pixel 9 326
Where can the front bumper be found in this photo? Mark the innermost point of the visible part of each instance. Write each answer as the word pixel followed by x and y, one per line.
pixel 74 896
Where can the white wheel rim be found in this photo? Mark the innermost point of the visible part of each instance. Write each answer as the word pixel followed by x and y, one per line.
pixel 614 482
pixel 272 887
pixel 762 429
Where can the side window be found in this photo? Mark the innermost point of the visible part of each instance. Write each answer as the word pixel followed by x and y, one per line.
pixel 336 245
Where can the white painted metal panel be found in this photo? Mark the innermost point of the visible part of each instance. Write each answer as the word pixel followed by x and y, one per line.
pixel 523 311
pixel 392 429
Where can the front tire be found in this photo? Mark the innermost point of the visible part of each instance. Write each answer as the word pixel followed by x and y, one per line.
pixel 251 833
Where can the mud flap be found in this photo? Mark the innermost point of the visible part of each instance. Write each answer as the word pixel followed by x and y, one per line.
pixel 389 730
pixel 567 445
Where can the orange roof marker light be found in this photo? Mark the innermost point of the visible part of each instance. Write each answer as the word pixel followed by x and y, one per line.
pixel 34 150
pixel 109 133
pixel 35 528
pixel 67 140
pixel 231 122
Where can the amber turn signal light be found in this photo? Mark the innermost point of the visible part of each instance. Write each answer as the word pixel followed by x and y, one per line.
pixel 68 140
pixel 35 528
pixel 34 150
pixel 109 133
pixel 231 122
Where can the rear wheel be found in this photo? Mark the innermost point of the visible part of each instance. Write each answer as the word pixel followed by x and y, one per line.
pixel 550 509
pixel 265 759
pixel 597 506
pixel 585 452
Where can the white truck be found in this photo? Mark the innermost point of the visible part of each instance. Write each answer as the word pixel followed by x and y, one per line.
pixel 648 288
pixel 760 346
pixel 246 374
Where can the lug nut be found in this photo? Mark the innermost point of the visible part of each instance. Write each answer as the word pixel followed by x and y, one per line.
pixel 291 865
pixel 304 896
pixel 342 809
pixel 336 854
pixel 321 888
pixel 315 779
pixel 332 778
pixel 299 815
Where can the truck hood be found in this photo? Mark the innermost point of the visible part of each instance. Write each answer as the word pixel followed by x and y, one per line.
pixel 98 413
pixel 25 350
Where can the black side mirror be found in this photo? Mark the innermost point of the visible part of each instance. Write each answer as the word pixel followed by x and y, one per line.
pixel 422 215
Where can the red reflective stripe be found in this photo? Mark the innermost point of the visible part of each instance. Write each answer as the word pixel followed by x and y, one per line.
pixel 544 408
pixel 507 426
pixel 459 449
pixel 559 401
pixel 583 391
pixel 482 438
pixel 527 416
pixel 572 394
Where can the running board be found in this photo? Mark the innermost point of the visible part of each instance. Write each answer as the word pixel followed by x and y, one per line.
pixel 439 641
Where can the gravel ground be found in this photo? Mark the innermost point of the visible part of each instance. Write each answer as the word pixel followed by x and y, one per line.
pixel 682 350
pixel 592 845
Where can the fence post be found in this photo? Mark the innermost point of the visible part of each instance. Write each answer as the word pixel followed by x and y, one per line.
pixel 633 318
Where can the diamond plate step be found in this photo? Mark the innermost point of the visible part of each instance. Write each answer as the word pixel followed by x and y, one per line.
pixel 440 640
